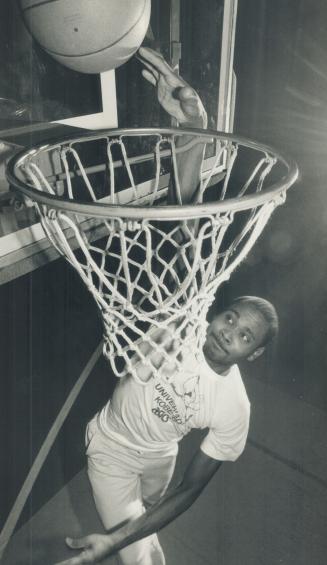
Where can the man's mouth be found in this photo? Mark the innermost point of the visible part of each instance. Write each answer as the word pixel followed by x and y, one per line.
pixel 218 341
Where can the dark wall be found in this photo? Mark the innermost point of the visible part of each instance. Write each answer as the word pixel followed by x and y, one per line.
pixel 281 65
pixel 49 328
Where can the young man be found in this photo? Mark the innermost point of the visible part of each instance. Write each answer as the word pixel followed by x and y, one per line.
pixel 132 443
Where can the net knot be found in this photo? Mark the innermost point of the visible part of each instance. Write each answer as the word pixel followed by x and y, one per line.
pixel 52 214
pixel 222 219
pixel 130 225
pixel 280 198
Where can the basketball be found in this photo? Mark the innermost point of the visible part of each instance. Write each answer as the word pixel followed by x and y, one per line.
pixel 89 36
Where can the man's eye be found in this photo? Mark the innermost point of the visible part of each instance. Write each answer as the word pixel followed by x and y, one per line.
pixel 245 338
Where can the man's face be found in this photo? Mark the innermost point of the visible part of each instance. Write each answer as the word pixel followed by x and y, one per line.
pixel 235 334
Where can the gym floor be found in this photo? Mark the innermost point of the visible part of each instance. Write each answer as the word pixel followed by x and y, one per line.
pixel 271 507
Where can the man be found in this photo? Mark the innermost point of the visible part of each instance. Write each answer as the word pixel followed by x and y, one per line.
pixel 132 443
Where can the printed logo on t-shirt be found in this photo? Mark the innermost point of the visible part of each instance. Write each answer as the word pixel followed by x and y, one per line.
pixel 177 402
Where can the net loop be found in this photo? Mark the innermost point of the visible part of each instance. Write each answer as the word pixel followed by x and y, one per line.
pixel 281 198
pixel 52 214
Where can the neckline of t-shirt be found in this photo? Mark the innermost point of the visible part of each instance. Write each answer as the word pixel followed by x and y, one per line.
pixel 212 371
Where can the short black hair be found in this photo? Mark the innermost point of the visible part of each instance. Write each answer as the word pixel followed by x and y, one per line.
pixel 267 310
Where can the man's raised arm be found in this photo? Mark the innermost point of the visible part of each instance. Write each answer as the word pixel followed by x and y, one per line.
pixel 183 104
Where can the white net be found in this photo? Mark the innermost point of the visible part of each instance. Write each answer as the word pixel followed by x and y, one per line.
pixel 153 269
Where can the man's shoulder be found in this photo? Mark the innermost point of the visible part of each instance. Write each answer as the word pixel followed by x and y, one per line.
pixel 232 402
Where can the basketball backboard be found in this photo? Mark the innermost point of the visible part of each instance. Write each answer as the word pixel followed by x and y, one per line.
pixel 23 247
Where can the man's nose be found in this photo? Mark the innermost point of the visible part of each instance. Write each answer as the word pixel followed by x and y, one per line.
pixel 228 335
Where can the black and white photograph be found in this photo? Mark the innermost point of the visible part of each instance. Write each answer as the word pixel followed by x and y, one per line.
pixel 163 224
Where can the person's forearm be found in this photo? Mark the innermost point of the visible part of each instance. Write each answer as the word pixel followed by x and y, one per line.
pixel 167 509
pixel 189 163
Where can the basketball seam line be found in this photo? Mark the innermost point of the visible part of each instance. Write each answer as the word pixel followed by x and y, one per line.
pixel 93 52
pixel 39 4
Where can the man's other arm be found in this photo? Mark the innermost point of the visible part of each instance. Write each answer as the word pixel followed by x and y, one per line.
pixel 176 501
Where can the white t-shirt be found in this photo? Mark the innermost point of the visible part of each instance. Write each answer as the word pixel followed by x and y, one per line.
pixel 156 415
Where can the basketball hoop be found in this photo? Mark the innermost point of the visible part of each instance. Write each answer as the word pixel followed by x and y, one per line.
pixel 101 197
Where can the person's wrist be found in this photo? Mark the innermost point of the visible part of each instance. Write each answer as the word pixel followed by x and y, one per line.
pixel 200 122
pixel 114 542
pixel 204 120
pixel 120 538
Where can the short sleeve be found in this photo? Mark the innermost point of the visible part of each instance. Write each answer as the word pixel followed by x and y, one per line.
pixel 227 443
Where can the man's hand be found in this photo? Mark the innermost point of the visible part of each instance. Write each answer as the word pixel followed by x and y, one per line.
pixel 174 94
pixel 95 547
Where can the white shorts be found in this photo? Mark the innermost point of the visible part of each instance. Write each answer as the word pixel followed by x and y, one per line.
pixel 124 482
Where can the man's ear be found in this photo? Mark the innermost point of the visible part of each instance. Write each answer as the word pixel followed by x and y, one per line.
pixel 256 354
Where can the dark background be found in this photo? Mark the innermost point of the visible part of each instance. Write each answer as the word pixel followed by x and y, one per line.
pixel 281 65
pixel 49 323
